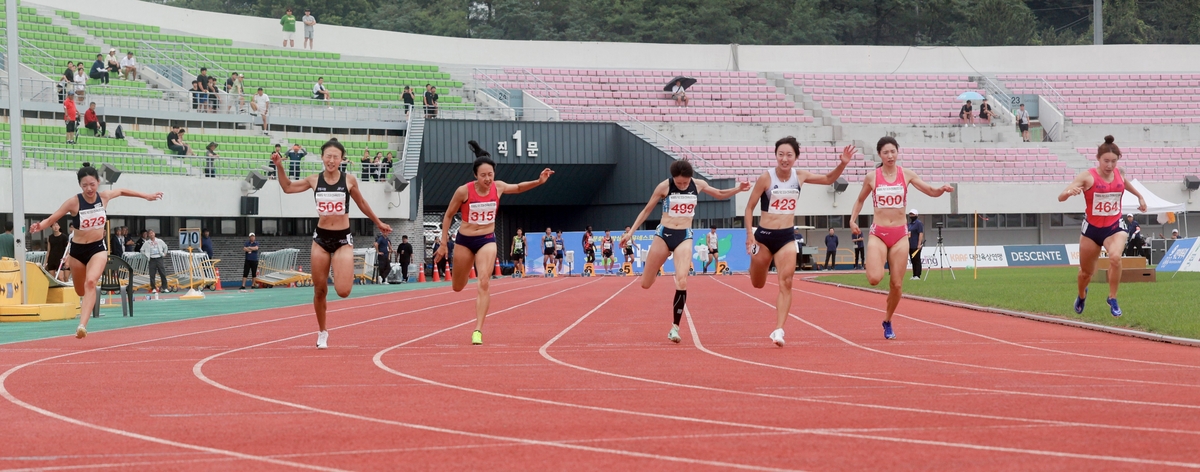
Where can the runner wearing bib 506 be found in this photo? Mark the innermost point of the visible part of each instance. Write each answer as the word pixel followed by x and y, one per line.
pixel 777 192
pixel 679 196
pixel 886 243
pixel 1102 188
pixel 479 203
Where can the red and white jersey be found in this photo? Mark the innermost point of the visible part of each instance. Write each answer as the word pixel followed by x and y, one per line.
pixel 1104 200
pixel 890 194
pixel 480 210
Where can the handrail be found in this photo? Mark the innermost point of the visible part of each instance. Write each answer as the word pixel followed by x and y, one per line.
pixel 492 86
pixel 1054 132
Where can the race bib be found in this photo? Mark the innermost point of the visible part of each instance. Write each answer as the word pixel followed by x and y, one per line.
pixel 482 213
pixel 606 245
pixel 331 203
pixel 889 196
pixel 549 243
pixel 682 206
pixel 558 246
pixel 1106 204
pixel 92 218
pixel 783 201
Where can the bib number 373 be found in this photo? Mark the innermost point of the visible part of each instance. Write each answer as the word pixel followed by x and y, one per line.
pixel 92 218
pixel 482 213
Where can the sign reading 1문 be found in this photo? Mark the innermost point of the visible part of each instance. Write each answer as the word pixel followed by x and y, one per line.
pixel 189 238
pixel 531 146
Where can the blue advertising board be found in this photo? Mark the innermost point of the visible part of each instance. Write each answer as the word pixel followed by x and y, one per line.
pixel 1049 254
pixel 731 250
pixel 1176 255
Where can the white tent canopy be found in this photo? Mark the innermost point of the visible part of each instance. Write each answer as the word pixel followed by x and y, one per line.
pixel 1154 203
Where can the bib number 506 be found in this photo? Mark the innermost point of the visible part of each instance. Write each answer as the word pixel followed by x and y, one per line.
pixel 331 207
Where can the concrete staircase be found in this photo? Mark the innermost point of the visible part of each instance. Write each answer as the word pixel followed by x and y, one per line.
pixel 797 96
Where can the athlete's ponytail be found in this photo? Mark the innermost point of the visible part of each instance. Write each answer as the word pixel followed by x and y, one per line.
pixel 481 157
pixel 1108 146
pixel 87 170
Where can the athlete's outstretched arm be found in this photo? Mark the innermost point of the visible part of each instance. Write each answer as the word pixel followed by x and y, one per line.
pixel 352 182
pixel 288 185
pixel 867 186
pixel 503 187
pixel 456 202
pixel 832 176
pixel 721 193
pixel 1076 187
pixel 925 188
pixel 71 205
pixel 660 192
pixel 1129 188
pixel 126 192
pixel 756 193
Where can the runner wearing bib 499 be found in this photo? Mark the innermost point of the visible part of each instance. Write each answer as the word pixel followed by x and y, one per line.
pixel 777 192
pixel 674 236
pixel 479 203
pixel 886 243
pixel 1102 188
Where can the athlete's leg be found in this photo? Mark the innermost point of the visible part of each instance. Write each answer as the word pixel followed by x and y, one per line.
pixel 1114 245
pixel 1089 252
pixel 463 258
pixel 320 261
pixel 760 264
pixel 342 262
pixel 785 268
pixel 484 261
pixel 654 261
pixel 91 276
pixel 897 261
pixel 683 263
pixel 877 253
pixel 78 272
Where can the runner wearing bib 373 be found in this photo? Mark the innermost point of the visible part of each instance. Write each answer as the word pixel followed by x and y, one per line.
pixel 479 202
pixel 89 250
pixel 777 191
pixel 332 246
pixel 1102 189
pixel 887 242
pixel 674 236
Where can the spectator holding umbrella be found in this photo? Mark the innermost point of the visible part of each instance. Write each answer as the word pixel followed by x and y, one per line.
pixel 678 88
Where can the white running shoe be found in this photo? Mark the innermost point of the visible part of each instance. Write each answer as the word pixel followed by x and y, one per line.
pixel 674 334
pixel 777 337
pixel 323 340
pixel 915 278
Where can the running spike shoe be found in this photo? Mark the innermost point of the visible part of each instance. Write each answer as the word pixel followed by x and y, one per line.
pixel 477 337
pixel 1080 301
pixel 673 336
pixel 777 337
pixel 887 330
pixel 1113 308
pixel 323 340
pixel 80 332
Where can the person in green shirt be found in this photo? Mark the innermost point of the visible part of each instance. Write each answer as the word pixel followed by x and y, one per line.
pixel 289 28
pixel 7 248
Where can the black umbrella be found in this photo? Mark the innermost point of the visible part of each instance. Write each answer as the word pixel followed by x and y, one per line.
pixel 686 82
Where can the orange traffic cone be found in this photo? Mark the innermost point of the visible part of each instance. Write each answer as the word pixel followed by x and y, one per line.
pixel 449 273
pixel 497 272
pixel 435 274
pixel 421 275
pixel 472 273
pixel 218 271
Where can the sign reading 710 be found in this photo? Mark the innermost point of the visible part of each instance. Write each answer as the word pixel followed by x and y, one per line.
pixel 530 148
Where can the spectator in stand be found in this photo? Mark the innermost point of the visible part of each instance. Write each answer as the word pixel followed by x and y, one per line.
pixel 175 142
pixel 129 67
pixel 859 251
pixel 203 77
pixel 93 122
pixel 141 242
pixel 966 113
pixel 385 168
pixel 66 81
pixel 156 250
pixel 365 172
pixel 1023 122
pixel 197 94
pixel 271 169
pixel 80 82
pixel 431 98
pixel 916 242
pixel 184 143
pixel 250 267
pixel 56 247
pixel 289 28
pixel 409 100
pixel 831 245
pixel 210 160
pixel 294 156
pixel 261 104
pixel 1175 234
pixel 206 243
pixel 8 247
pixel 320 92
pixel 99 70
pixel 679 94
pixel 71 116
pixel 985 112
pixel 377 167
pixel 404 252
pixel 383 257
pixel 234 87
pixel 309 23
pixel 113 62
pixel 213 93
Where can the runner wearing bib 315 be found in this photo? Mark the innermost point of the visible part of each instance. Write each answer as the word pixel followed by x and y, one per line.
pixel 674 236
pixel 777 191
pixel 479 203
pixel 887 242
pixel 1102 188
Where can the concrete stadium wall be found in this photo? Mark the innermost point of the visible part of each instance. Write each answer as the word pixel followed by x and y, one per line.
pixel 855 59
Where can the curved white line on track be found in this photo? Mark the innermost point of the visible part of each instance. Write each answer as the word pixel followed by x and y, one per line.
pixel 129 434
pixel 197 370
pixel 977 366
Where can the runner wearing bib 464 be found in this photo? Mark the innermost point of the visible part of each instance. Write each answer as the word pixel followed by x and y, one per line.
pixel 479 202
pixel 674 236
pixel 332 245
pixel 777 191
pixel 887 242
pixel 89 250
pixel 1102 188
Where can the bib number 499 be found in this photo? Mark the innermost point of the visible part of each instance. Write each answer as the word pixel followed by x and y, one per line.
pixel 683 208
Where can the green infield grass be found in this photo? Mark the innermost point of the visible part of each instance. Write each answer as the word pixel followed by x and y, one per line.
pixel 1169 306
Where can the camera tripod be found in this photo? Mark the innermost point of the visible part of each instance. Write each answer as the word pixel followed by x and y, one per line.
pixel 943 259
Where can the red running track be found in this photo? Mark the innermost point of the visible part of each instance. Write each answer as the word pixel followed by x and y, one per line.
pixel 577 373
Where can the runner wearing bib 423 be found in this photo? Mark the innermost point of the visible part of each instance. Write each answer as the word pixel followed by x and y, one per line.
pixel 780 199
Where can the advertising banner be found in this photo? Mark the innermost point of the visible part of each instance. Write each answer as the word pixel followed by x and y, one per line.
pixel 1048 254
pixel 1177 255
pixel 963 257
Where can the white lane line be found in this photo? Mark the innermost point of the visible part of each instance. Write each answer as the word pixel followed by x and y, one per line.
pixel 11 398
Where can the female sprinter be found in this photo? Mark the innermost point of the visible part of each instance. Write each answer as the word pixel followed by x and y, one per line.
pixel 476 240
pixel 1102 188
pixel 888 241
pixel 777 191
pixel 332 244
pixel 518 253
pixel 674 234
pixel 88 252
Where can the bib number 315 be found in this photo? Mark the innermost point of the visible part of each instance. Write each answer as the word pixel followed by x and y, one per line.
pixel 482 213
